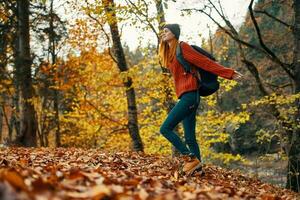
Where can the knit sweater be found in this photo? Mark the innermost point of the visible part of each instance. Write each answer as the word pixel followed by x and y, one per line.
pixel 185 82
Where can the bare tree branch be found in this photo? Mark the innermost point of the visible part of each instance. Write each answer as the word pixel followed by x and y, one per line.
pixel 226 30
pixel 224 17
pixel 291 27
pixel 267 50
pixel 221 8
pixel 280 86
pixel 219 13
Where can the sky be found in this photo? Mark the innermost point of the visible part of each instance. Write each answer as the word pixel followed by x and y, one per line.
pixel 193 27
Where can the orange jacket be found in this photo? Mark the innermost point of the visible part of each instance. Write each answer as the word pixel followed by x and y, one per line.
pixel 185 82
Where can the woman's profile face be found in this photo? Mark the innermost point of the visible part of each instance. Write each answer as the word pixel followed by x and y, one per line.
pixel 167 35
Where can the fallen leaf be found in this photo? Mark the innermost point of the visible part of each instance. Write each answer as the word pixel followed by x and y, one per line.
pixel 14 178
pixel 97 192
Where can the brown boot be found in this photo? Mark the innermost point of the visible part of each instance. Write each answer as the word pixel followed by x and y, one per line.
pixel 190 164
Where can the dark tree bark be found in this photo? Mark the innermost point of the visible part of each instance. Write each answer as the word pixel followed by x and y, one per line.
pixel 7 36
pixel 122 65
pixel 3 58
pixel 27 136
pixel 293 174
pixel 52 48
pixel 15 120
pixel 1 124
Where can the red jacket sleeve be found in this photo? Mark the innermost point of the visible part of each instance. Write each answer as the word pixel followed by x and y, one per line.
pixel 199 60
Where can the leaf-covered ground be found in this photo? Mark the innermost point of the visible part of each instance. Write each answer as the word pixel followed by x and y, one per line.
pixel 47 173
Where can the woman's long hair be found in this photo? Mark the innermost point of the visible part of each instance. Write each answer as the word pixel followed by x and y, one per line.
pixel 167 53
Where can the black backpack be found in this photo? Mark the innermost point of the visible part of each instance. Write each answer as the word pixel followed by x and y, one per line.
pixel 208 83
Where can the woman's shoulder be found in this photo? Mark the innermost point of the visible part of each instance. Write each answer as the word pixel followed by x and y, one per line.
pixel 185 45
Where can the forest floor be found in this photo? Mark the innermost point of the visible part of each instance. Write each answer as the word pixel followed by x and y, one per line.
pixel 72 173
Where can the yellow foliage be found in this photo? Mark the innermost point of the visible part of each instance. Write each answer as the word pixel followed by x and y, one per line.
pixel 6 86
pixel 286 105
pixel 276 99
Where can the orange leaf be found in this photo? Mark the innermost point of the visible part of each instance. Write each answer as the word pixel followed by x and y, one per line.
pixel 14 178
pixel 96 192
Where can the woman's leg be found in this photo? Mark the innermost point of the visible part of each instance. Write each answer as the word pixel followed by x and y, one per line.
pixel 189 126
pixel 181 110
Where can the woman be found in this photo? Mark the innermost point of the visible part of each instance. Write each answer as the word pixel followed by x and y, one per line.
pixel 186 91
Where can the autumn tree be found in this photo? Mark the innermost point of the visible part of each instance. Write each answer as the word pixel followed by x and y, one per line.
pixel 122 65
pixel 27 136
pixel 7 37
pixel 52 49
pixel 50 32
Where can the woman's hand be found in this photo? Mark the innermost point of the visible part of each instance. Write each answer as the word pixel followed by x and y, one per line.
pixel 237 76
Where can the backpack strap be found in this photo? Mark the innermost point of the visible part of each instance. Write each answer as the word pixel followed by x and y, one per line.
pixel 181 60
pixel 187 68
pixel 186 65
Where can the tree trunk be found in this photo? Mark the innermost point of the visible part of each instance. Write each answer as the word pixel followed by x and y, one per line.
pixel 27 136
pixel 122 65
pixel 293 178
pixel 3 58
pixel 52 48
pixel 1 123
pixel 57 131
pixel 42 127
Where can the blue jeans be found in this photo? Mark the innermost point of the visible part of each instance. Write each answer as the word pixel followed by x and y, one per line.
pixel 185 111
